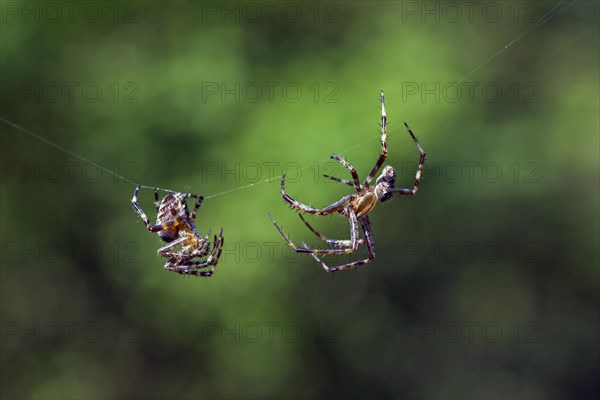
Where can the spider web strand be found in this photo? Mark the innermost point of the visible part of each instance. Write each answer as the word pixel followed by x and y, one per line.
pixel 78 156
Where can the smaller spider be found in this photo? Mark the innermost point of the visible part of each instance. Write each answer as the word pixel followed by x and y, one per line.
pixel 355 207
pixel 175 226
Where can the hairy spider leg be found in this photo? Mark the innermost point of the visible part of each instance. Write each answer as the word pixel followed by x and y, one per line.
pixel 344 181
pixel 354 242
pixel 338 205
pixel 156 199
pixel 355 181
pixel 203 250
pixel 417 181
pixel 331 242
pixel 142 214
pixel 197 205
pixel 165 251
pixel 383 154
pixel 190 267
pixel 366 227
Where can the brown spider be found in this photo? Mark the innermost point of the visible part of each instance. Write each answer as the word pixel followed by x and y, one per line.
pixel 176 227
pixel 355 206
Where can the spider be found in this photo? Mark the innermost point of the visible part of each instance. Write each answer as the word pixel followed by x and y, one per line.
pixel 176 227
pixel 355 206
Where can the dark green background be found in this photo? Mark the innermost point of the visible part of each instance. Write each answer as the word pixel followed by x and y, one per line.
pixel 484 286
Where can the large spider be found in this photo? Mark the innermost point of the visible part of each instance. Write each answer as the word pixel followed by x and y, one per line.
pixel 175 226
pixel 355 206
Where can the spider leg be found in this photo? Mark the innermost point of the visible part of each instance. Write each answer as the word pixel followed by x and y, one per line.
pixel 344 181
pixel 137 208
pixel 302 207
pixel 217 248
pixel 156 200
pixel 220 244
pixel 142 214
pixel 199 200
pixel 191 267
pixel 165 251
pixel 354 242
pixel 366 226
pixel 205 248
pixel 383 154
pixel 355 182
pixel 331 242
pixel 202 249
pixel 417 181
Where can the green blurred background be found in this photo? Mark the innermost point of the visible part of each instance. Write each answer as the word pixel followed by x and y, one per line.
pixel 485 284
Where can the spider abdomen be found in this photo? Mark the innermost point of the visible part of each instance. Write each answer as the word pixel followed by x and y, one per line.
pixel 168 235
pixel 365 203
pixel 172 212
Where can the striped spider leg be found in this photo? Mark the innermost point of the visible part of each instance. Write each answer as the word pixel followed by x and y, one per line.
pixel 176 226
pixel 355 207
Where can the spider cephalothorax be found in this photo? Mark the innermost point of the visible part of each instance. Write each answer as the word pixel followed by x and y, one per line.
pixel 176 226
pixel 384 185
pixel 356 206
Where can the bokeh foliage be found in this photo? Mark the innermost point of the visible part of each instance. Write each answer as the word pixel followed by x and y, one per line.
pixel 356 326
